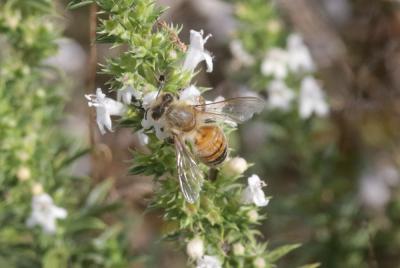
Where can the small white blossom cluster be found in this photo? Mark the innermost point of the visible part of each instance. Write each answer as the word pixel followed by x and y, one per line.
pixel 44 213
pixel 377 182
pixel 253 193
pixel 107 107
pixel 240 55
pixel 295 59
pixel 195 250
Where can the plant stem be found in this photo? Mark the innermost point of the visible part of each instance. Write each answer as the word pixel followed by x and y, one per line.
pixel 91 83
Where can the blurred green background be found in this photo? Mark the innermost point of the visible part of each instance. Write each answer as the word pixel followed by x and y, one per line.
pixel 333 178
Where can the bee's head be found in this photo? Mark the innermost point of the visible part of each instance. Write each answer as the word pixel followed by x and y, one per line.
pixel 162 103
pixel 166 98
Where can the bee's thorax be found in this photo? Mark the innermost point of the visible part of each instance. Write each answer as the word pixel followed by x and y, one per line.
pixel 181 117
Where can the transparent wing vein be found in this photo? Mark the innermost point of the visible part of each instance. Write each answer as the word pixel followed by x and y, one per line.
pixel 189 174
pixel 236 110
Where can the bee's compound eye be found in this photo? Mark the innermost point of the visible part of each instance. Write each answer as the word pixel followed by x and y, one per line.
pixel 157 112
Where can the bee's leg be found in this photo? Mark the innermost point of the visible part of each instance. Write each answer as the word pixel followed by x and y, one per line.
pixel 202 101
pixel 212 174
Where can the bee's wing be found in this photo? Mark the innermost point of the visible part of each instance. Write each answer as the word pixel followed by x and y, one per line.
pixel 236 110
pixel 190 175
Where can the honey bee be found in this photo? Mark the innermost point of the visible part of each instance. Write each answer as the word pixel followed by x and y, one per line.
pixel 196 134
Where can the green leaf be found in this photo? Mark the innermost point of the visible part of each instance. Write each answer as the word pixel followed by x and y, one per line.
pixel 279 252
pixel 78 3
pixel 311 265
pixel 138 170
pixel 57 257
pixel 85 224
pixel 98 194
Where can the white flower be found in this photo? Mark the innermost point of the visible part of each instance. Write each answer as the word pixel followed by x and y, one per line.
pixel 376 183
pixel 279 95
pixel 45 213
pixel 235 166
pixel 254 193
pixel 127 93
pixel 105 108
pixel 142 137
pixel 208 262
pixel 190 95
pixel 195 248
pixel 374 192
pixel 312 99
pixel 240 54
pixel 275 63
pixel 299 59
pixel 148 121
pixel 159 127
pixel 148 99
pixel 196 52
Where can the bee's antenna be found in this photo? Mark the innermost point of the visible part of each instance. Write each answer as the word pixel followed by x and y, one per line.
pixel 161 81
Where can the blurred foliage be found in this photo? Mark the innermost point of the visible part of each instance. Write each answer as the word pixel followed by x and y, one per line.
pixel 314 169
pixel 35 154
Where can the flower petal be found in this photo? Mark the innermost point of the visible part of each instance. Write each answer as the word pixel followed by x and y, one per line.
pixel 207 57
pixel 196 53
pixel 59 213
pixel 190 94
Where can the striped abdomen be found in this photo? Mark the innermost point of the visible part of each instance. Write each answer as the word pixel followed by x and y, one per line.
pixel 210 145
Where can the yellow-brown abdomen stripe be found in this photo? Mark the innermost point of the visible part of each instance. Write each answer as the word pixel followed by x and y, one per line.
pixel 210 144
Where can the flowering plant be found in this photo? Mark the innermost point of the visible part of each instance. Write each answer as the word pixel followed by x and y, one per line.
pixel 48 217
pixel 216 224
pixel 341 186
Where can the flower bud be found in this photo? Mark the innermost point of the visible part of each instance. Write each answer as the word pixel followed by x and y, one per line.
pixel 235 166
pixel 274 26
pixel 23 173
pixel 238 249
pixel 23 156
pixel 13 20
pixel 195 248
pixel 259 263
pixel 253 215
pixel 37 189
